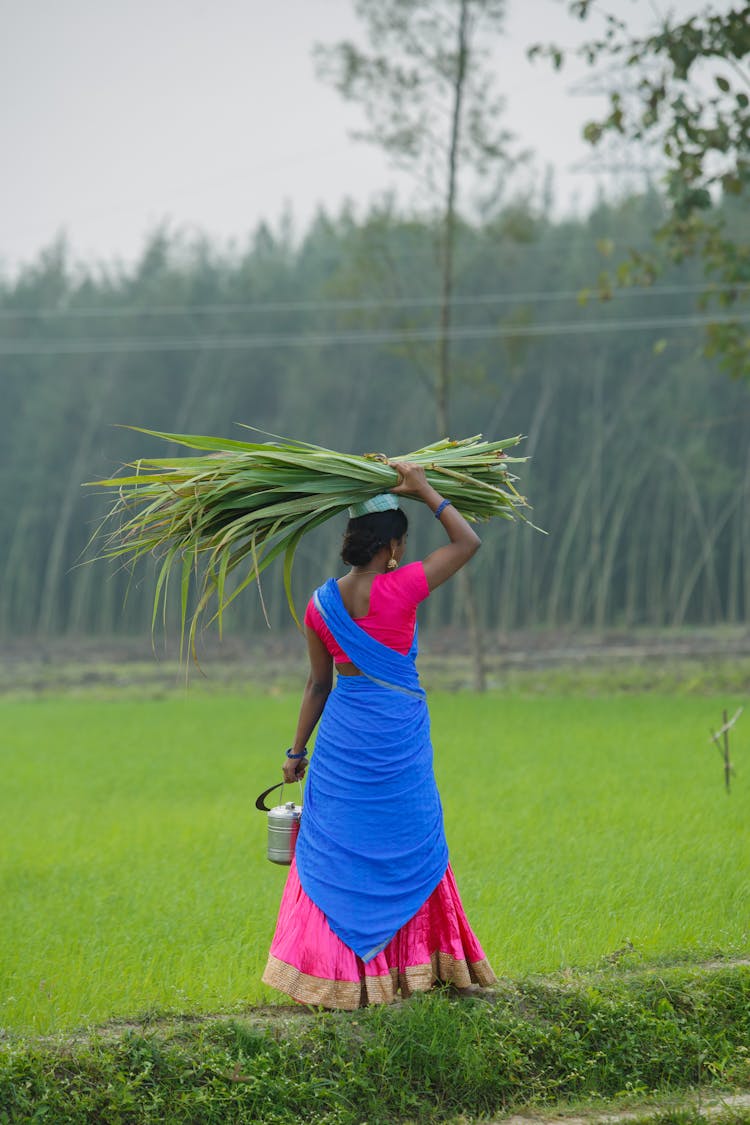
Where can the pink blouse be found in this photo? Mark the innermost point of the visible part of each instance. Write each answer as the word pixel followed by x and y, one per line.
pixel 394 597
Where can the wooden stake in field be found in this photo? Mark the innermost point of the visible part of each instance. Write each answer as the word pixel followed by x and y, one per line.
pixel 721 739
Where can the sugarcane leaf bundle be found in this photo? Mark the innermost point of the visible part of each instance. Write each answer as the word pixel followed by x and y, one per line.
pixel 237 506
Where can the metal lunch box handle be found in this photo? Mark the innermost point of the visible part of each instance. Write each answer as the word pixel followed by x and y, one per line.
pixel 260 802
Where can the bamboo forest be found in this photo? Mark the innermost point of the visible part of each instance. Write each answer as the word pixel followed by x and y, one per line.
pixel 638 470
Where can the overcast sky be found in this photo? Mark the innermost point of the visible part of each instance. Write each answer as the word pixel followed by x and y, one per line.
pixel 117 115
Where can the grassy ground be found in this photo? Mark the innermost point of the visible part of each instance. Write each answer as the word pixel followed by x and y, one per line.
pixel 589 828
pixel 583 831
pixel 594 1043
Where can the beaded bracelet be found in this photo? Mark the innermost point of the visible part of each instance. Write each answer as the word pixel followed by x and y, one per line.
pixel 441 507
pixel 289 753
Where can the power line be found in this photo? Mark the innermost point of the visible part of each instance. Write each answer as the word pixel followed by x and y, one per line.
pixel 256 342
pixel 417 301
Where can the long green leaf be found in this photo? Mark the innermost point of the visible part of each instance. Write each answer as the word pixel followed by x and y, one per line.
pixel 241 504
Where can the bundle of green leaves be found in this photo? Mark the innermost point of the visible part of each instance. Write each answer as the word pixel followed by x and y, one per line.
pixel 247 503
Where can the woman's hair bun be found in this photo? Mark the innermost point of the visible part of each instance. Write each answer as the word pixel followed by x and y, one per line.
pixel 365 535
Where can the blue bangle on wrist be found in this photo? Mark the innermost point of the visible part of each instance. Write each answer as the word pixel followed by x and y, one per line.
pixel 441 508
pixel 289 753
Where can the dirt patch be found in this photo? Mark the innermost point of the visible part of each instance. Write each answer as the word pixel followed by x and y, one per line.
pixel 34 667
pixel 707 1104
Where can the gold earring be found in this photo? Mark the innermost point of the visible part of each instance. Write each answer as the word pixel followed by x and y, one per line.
pixel 392 563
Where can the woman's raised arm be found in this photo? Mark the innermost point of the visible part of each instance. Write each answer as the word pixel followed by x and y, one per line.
pixel 443 563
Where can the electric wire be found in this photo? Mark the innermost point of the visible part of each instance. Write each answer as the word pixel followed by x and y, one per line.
pixel 82 346
pixel 336 305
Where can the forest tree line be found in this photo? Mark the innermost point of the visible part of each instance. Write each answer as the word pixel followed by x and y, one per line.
pixel 639 469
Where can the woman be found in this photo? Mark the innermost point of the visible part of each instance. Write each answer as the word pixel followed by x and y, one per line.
pixel 370 906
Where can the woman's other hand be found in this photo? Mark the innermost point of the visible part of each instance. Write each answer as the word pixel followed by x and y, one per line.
pixel 294 770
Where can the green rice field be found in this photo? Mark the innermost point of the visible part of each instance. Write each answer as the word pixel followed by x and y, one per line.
pixel 583 832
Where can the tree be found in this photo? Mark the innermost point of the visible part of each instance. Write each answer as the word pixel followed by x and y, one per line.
pixel 692 99
pixel 642 483
pixel 426 90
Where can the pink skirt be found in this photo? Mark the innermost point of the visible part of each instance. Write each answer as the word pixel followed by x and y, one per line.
pixel 312 965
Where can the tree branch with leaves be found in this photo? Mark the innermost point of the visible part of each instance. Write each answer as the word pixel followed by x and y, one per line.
pixel 692 99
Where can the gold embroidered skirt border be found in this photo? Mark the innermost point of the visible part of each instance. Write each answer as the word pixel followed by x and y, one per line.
pixel 348 995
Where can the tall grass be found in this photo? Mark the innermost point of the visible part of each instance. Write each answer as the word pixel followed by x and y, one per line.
pixel 133 874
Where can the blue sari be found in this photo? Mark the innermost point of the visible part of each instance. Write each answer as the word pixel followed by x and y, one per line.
pixel 371 848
